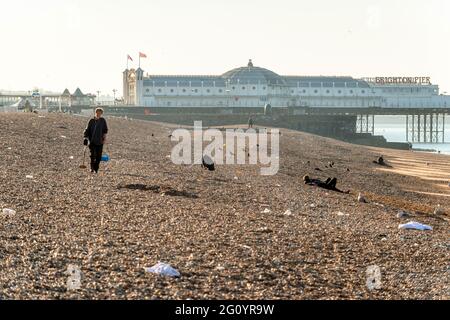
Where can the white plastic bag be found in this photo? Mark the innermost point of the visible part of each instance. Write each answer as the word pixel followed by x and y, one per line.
pixel 163 269
pixel 8 212
pixel 415 226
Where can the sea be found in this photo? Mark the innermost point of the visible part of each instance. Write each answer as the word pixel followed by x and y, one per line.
pixel 393 128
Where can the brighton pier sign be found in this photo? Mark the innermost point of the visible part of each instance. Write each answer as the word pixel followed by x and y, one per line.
pixel 402 80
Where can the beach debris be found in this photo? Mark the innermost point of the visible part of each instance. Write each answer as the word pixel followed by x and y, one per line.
pixel 236 178
pixel 266 211
pixel 288 213
pixel 415 226
pixel 64 137
pixel 71 158
pixel 439 210
pixel 341 214
pixel 361 198
pixel 403 214
pixel 317 169
pixel 220 268
pixel 8 213
pixel 29 177
pixel 9 148
pixel 208 163
pixel 163 269
pixel 264 230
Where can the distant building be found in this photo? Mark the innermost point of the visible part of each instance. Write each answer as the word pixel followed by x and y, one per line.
pixel 78 98
pixel 252 86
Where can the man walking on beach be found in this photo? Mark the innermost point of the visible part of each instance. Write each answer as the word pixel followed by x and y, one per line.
pixel 95 136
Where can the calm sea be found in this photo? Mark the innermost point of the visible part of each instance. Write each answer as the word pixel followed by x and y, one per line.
pixel 393 128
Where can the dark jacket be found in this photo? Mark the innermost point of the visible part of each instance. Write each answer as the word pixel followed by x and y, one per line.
pixel 95 131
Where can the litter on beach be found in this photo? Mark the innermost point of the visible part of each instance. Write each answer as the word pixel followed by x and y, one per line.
pixel 439 210
pixel 266 211
pixel 402 214
pixel 64 137
pixel 163 269
pixel 29 177
pixel 361 198
pixel 415 226
pixel 288 213
pixel 8 212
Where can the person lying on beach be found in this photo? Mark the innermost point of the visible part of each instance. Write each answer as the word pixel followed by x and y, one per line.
pixel 329 184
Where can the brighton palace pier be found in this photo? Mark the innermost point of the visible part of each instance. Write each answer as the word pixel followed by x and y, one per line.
pixel 252 86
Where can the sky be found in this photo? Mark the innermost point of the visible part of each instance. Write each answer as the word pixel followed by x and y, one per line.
pixel 58 44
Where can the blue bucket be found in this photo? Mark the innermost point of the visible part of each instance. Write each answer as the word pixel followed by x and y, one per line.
pixel 105 158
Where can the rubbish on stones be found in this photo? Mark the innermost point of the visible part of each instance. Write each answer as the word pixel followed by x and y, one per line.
pixel 415 226
pixel 264 230
pixel 288 213
pixel 29 177
pixel 208 163
pixel 439 210
pixel 64 137
pixel 403 214
pixel 8 212
pixel 71 157
pixel 163 269
pixel 266 211
pixel 361 198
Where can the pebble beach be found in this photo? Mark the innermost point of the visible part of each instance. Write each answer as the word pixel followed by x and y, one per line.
pixel 231 233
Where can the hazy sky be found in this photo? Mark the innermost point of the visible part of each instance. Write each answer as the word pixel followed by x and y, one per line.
pixel 54 44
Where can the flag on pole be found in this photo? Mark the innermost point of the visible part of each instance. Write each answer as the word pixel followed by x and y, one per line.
pixel 128 59
pixel 141 55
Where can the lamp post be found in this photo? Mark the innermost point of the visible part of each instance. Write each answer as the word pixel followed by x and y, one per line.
pixel 98 97
pixel 114 91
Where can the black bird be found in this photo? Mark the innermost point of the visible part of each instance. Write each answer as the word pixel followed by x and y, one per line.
pixel 208 163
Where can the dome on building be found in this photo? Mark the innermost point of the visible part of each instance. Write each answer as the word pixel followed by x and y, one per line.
pixel 253 75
